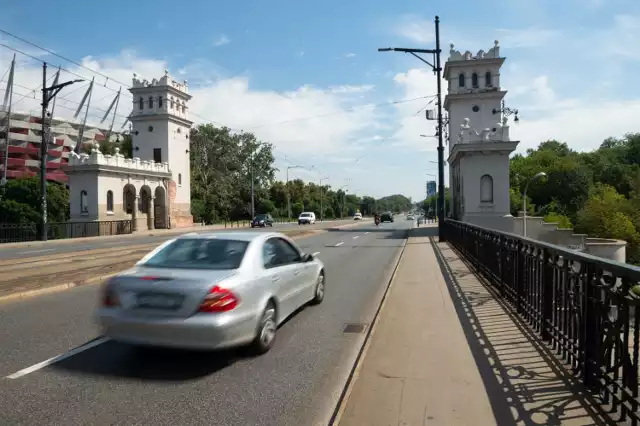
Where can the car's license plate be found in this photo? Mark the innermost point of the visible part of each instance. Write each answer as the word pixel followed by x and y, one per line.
pixel 159 301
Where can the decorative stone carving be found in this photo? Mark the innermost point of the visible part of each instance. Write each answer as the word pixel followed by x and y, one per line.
pixel 493 53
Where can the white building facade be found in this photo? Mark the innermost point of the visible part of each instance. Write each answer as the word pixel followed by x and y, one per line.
pixel 480 145
pixel 153 189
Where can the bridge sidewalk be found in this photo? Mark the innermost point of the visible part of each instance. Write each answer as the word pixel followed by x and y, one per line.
pixel 445 351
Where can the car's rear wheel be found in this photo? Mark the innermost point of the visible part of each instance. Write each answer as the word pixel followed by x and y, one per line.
pixel 318 295
pixel 266 333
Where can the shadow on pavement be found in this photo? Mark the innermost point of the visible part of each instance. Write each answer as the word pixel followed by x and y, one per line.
pixel 525 382
pixel 424 231
pixel 113 359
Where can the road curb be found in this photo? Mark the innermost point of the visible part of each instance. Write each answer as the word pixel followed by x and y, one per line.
pixel 355 370
pixel 155 233
pixel 12 297
pixel 54 289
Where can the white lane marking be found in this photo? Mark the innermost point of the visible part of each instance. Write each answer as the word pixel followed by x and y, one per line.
pixel 366 233
pixel 58 358
pixel 357 236
pixel 339 244
pixel 35 251
pixel 316 253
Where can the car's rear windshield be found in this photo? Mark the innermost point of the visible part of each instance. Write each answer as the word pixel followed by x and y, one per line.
pixel 261 217
pixel 200 253
pixel 305 215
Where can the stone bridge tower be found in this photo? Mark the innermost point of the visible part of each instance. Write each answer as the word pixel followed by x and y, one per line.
pixel 480 145
pixel 162 126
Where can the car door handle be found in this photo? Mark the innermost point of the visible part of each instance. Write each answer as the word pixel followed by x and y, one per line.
pixel 275 279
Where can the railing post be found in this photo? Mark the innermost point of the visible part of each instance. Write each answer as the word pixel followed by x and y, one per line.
pixel 520 274
pixel 547 294
pixel 589 333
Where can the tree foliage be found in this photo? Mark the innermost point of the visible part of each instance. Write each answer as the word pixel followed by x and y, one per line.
pixel 596 192
pixel 223 163
pixel 20 201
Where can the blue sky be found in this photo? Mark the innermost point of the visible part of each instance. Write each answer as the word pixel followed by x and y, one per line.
pixel 253 64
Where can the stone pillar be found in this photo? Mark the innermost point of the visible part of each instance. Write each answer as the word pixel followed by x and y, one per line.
pixel 134 214
pixel 152 213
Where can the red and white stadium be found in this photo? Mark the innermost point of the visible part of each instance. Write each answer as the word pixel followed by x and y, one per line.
pixel 25 137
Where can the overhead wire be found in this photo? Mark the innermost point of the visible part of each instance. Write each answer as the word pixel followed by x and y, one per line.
pixel 205 119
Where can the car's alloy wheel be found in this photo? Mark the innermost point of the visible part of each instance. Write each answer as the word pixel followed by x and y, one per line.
pixel 318 295
pixel 267 327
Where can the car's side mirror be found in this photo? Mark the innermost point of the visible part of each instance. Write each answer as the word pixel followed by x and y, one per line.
pixel 307 257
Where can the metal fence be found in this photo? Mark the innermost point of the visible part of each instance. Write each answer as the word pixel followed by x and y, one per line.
pixel 583 306
pixel 17 233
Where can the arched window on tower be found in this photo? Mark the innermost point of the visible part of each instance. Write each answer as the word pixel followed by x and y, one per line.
pixel 150 101
pixel 171 104
pixel 486 189
pixel 474 80
pixel 141 103
pixel 159 101
pixel 179 178
pixel 109 201
pixel 461 80
pixel 184 108
pixel 84 206
pixel 487 79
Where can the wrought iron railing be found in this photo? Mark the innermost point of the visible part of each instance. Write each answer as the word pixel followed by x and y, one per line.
pixel 17 233
pixel 583 306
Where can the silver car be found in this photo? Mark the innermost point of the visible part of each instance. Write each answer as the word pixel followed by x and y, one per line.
pixel 211 291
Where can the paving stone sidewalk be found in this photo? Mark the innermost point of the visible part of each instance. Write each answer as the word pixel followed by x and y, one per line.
pixel 445 351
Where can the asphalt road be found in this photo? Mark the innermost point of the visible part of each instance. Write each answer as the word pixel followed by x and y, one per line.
pixel 296 383
pixel 76 245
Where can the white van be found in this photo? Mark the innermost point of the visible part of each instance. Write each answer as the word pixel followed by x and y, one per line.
pixel 307 218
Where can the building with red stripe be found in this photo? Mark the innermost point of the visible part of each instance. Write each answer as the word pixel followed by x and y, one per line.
pixel 25 138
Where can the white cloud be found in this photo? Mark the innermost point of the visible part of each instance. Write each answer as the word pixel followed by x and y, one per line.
pixel 307 122
pixel 349 55
pixel 221 40
pixel 352 89
pixel 526 37
pixel 412 122
pixel 417 29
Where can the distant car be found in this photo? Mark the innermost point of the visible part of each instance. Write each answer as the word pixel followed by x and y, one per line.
pixel 386 217
pixel 307 218
pixel 211 291
pixel 411 217
pixel 357 216
pixel 262 220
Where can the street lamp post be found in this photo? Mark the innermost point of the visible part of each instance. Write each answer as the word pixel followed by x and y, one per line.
pixel 434 176
pixel 321 198
pixel 524 202
pixel 48 93
pixel 253 193
pixel 344 199
pixel 288 192
pixel 437 69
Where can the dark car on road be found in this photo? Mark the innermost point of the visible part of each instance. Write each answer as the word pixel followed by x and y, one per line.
pixel 386 217
pixel 262 220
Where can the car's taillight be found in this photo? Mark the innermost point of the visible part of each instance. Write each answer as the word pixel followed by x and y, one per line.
pixel 110 298
pixel 219 299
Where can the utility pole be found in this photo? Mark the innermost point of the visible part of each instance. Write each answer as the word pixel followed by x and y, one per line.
pixel 8 100
pixel 441 204
pixel 437 69
pixel 43 158
pixel 253 205
pixel 321 198
pixel 48 93
pixel 288 191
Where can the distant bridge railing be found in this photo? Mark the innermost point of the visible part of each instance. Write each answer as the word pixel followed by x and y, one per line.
pixel 18 233
pixel 584 307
